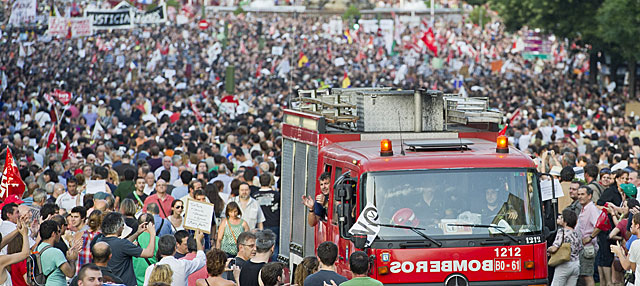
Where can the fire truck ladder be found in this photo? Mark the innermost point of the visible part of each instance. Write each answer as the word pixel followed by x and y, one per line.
pixel 335 109
pixel 391 110
pixel 469 110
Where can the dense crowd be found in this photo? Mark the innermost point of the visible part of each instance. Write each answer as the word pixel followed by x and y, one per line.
pixel 153 113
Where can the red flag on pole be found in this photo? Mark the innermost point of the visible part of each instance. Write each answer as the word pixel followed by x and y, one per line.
pixel 65 155
pixel 52 138
pixel 11 183
pixel 429 40
pixel 197 113
pixel 53 114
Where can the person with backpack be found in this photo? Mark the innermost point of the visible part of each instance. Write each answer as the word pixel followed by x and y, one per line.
pixel 123 250
pixel 591 176
pixel 7 260
pixel 56 266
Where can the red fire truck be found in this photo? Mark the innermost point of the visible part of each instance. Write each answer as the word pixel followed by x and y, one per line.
pixel 421 182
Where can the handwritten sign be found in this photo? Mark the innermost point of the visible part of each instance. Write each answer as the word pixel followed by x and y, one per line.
pixel 547 192
pixel 96 186
pixel 198 215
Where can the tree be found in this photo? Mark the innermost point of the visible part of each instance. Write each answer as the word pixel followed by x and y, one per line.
pixel 572 19
pixel 619 25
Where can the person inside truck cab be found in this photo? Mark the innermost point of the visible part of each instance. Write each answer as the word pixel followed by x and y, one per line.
pixel 318 208
pixel 430 208
pixel 500 205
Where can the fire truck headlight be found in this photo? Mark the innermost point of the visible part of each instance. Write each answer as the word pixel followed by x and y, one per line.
pixel 383 270
pixel 529 265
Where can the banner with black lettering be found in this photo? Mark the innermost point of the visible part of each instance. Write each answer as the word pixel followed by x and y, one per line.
pixel 157 15
pixel 110 19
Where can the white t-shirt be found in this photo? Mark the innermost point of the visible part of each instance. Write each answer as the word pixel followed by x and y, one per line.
pixel 68 202
pixel 634 257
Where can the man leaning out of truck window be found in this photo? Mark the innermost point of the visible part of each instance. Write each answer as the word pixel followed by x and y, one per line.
pixel 318 208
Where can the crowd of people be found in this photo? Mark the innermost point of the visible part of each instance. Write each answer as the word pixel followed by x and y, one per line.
pixel 155 114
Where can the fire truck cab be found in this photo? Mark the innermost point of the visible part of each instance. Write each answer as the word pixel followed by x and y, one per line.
pixel 420 181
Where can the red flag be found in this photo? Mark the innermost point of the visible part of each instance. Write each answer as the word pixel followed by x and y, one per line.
pixel 360 56
pixel 430 41
pixel 63 96
pixel 65 155
pixel 258 69
pixel 504 130
pixel 175 117
pixel 380 53
pixel 197 113
pixel 11 183
pixel 52 138
pixel 243 49
pixel 515 115
pixel 53 114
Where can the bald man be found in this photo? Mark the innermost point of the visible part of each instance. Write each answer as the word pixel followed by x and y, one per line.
pixel 101 252
pixel 100 205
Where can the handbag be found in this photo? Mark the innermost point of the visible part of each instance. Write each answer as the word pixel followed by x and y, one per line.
pixel 603 222
pixel 562 255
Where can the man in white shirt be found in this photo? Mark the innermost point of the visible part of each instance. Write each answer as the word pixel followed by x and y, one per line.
pixel 224 178
pixel 631 261
pixel 251 210
pixel 182 268
pixel 167 165
pixel 10 215
pixel 71 198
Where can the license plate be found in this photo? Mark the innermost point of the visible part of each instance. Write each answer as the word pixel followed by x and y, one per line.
pixel 507 265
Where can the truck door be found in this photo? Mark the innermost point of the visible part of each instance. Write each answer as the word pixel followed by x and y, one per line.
pixel 345 247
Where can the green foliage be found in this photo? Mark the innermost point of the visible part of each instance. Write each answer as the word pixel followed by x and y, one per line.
pixel 238 11
pixel 151 6
pixel 619 26
pixel 476 2
pixel 351 12
pixel 515 14
pixel 173 3
pixel 479 16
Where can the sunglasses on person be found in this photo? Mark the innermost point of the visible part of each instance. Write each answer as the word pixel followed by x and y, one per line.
pixel 178 207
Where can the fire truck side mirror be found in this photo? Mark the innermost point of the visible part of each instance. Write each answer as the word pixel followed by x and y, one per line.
pixel 359 240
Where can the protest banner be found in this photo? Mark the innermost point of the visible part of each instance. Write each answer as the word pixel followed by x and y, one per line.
pixel 110 19
pixel 632 108
pixel 96 186
pixel 156 15
pixel 198 215
pixel 80 27
pixel 23 12
pixel 277 50
pixel 63 96
pixel 496 66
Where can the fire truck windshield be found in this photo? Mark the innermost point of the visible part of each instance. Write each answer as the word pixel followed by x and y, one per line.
pixel 450 202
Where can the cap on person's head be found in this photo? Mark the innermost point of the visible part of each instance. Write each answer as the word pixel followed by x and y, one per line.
pixel 555 170
pixel 629 189
pixel 100 196
pixel 605 171
pixel 12 199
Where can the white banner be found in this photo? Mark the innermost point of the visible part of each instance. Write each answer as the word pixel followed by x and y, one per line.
pixel 80 27
pixel 23 12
